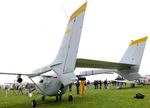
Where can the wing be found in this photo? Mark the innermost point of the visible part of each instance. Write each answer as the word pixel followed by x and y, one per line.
pixel 33 74
pixel 87 63
pixel 15 73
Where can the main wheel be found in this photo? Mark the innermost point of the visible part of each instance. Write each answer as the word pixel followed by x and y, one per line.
pixel 70 98
pixel 33 103
pixel 43 98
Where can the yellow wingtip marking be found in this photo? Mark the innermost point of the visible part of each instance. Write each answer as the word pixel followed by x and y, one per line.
pixel 138 40
pixel 78 11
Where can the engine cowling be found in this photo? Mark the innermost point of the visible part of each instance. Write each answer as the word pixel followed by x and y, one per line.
pixel 19 79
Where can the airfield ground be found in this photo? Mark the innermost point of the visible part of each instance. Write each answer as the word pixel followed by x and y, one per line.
pixel 111 98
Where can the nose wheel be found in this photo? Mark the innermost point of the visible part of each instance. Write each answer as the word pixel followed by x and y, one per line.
pixel 43 98
pixel 33 103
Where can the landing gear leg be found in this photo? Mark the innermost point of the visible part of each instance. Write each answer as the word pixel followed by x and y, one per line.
pixel 58 97
pixel 59 94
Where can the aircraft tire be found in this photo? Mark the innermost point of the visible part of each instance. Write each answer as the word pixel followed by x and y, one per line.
pixel 33 103
pixel 70 98
pixel 43 98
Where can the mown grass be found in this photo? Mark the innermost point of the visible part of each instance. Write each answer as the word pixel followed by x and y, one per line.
pixel 100 98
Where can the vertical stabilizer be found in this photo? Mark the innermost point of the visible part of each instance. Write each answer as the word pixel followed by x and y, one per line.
pixel 133 55
pixel 64 63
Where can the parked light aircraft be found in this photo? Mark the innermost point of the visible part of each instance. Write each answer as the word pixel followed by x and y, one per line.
pixel 63 66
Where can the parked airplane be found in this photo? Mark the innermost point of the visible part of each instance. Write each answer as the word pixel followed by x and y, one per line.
pixel 63 66
pixel 128 66
pixel 145 80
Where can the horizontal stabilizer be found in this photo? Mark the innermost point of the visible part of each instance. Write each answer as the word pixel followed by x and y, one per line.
pixel 88 63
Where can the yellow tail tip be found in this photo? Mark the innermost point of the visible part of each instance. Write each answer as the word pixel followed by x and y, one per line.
pixel 78 11
pixel 133 42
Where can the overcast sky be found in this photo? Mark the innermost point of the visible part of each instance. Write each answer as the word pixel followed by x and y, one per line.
pixel 31 31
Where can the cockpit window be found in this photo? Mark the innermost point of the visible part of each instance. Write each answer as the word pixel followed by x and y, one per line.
pixel 45 79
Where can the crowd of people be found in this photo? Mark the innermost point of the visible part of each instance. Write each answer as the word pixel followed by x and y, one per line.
pixel 18 87
pixel 99 82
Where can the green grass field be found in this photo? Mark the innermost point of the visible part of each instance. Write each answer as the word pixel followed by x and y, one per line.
pixel 111 98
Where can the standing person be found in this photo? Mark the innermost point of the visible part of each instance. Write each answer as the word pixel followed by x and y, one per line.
pixel 106 84
pixel 85 85
pixel 27 88
pixel 20 88
pixel 94 84
pixel 70 87
pixel 77 86
pixel 100 84
pixel 14 88
pixel 6 89
pixel 88 83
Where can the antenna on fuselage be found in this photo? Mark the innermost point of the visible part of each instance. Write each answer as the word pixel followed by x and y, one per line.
pixel 62 6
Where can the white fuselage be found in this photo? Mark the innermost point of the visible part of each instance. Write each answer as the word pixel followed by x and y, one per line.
pixel 49 85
